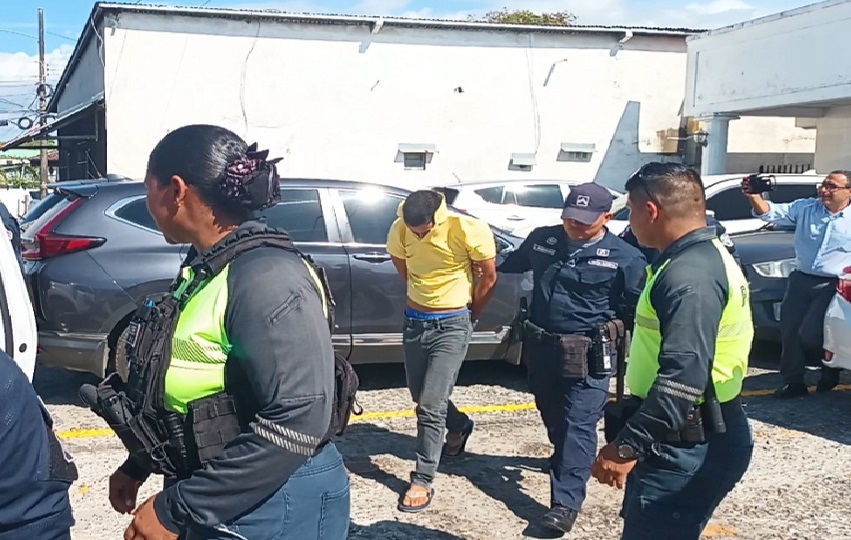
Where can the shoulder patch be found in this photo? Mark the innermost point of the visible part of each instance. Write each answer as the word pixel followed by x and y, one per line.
pixel 605 264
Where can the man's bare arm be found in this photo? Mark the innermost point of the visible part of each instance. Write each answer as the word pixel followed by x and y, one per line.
pixel 401 267
pixel 484 286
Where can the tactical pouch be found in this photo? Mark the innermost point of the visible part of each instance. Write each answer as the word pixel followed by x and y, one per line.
pixel 616 414
pixel 693 431
pixel 214 423
pixel 574 355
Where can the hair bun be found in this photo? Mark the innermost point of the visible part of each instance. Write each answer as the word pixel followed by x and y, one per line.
pixel 253 180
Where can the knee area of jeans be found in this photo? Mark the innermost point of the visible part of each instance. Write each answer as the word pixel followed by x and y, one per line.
pixel 434 411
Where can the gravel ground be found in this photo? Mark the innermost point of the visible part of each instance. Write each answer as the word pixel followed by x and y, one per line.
pixel 796 487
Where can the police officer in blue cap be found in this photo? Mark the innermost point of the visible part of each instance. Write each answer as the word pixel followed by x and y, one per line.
pixel 586 285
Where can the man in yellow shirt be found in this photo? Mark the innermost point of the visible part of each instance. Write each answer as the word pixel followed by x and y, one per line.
pixel 434 252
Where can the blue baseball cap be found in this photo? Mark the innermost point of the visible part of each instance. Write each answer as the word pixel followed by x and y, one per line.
pixel 587 202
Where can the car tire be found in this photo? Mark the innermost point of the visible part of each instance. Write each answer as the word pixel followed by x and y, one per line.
pixel 118 360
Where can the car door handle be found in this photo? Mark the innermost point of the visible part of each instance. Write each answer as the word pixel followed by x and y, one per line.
pixel 372 257
pixel 515 218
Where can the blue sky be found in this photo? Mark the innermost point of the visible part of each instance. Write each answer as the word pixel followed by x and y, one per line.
pixel 64 20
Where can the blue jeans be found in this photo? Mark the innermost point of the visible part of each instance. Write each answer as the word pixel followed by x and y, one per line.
pixel 570 409
pixel 314 504
pixel 434 352
pixel 672 494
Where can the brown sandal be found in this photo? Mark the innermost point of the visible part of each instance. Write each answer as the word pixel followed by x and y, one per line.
pixel 428 495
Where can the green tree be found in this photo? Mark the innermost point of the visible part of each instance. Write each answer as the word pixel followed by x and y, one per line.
pixel 524 16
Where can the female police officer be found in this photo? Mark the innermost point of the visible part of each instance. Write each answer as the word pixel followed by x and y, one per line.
pixel 255 330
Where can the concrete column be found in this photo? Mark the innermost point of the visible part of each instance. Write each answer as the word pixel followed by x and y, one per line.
pixel 714 156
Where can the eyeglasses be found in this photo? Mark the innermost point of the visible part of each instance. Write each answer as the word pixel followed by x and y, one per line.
pixel 830 188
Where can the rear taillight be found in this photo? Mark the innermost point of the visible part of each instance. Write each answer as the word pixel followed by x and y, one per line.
pixel 47 243
pixel 843 287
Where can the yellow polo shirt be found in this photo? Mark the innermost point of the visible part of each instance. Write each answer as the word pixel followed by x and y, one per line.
pixel 439 266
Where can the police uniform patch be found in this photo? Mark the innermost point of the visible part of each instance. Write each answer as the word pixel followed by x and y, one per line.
pixel 604 264
pixel 552 240
pixel 133 333
pixel 542 249
pixel 602 252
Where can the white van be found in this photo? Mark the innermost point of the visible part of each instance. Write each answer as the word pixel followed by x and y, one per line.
pixel 18 333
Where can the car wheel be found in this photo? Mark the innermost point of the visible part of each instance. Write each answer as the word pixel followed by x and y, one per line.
pixel 118 361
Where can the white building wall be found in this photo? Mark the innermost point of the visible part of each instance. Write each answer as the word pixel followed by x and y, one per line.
pixel 336 101
pixel 833 146
pixel 785 60
pixel 756 141
pixel 88 78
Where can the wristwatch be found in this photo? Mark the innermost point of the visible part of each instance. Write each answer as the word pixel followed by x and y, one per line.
pixel 626 451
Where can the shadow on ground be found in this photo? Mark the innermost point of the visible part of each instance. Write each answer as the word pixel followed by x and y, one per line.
pixel 498 477
pixel 58 386
pixel 397 530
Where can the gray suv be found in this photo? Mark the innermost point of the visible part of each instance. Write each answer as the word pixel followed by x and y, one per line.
pixel 93 255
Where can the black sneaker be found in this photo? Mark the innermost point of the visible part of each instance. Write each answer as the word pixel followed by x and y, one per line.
pixel 791 390
pixel 559 519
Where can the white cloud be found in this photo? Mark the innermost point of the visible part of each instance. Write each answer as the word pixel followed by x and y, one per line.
pixel 718 7
pixel 18 80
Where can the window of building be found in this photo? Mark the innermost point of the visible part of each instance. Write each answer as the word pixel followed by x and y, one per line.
pixel 137 212
pixel 300 214
pixel 371 212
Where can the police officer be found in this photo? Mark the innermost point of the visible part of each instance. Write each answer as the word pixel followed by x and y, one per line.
pixel 584 277
pixel 35 472
pixel 237 416
pixel 651 253
pixel 683 440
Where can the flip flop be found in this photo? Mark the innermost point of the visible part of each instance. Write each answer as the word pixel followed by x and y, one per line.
pixel 419 508
pixel 468 430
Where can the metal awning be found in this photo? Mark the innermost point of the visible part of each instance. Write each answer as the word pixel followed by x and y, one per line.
pixel 61 120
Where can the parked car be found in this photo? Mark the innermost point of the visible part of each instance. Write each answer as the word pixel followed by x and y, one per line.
pixel 97 252
pixel 725 199
pixel 56 194
pixel 516 206
pixel 837 325
pixel 18 337
pixel 767 257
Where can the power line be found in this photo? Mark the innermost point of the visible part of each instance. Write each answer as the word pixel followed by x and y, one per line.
pixel 7 31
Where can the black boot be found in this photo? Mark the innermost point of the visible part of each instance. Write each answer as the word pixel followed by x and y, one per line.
pixel 559 519
pixel 829 379
pixel 791 390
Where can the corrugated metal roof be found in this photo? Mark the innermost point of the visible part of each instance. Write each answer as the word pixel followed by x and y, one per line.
pixel 426 22
pixel 100 8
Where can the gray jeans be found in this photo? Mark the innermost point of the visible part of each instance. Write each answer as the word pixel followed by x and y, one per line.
pixel 802 322
pixel 434 352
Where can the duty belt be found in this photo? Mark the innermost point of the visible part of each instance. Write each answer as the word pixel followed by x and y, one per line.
pixel 594 352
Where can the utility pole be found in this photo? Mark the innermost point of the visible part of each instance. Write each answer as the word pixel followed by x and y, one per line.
pixel 42 94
